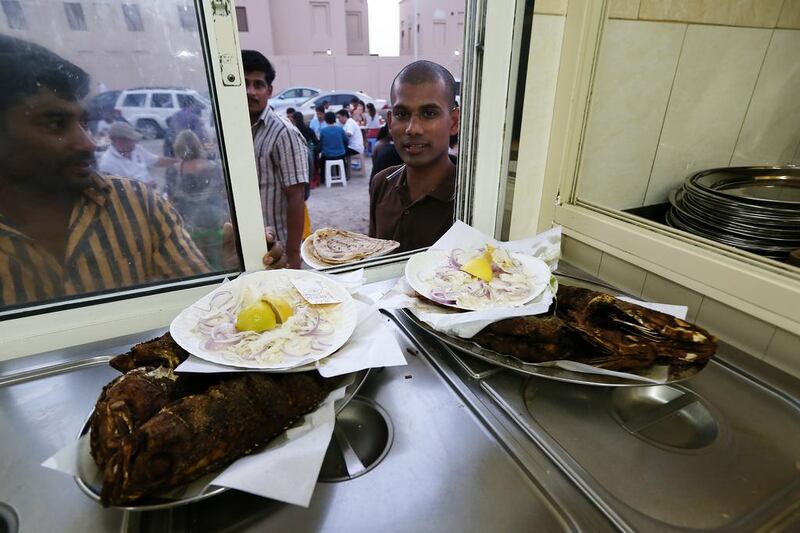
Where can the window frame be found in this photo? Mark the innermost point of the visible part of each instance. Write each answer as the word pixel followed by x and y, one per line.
pixel 486 31
pixel 75 8
pixel 727 275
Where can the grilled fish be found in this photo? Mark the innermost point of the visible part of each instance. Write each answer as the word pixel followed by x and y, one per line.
pixel 161 351
pixel 203 432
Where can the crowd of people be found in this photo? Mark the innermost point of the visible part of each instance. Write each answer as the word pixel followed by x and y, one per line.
pixel 109 224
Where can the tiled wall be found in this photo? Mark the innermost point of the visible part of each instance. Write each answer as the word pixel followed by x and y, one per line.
pixel 685 85
pixel 761 339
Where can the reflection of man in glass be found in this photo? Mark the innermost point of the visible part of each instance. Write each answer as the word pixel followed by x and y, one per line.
pixel 127 158
pixel 413 203
pixel 66 230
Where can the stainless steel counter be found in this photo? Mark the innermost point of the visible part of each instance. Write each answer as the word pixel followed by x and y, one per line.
pixel 446 469
pixel 473 448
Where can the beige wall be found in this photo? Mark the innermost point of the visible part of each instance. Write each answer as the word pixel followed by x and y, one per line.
pixel 309 27
pixel 441 27
pixel 685 86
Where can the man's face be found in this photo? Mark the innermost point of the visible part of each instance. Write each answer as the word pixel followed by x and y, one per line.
pixel 123 145
pixel 421 122
pixel 258 91
pixel 43 143
pixel 320 116
pixel 341 118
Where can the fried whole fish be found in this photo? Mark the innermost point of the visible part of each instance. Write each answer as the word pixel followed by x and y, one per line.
pixel 597 329
pixel 201 433
pixel 632 329
pixel 124 405
pixel 161 351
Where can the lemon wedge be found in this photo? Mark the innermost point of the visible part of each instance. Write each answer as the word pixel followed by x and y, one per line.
pixel 258 317
pixel 283 311
pixel 480 266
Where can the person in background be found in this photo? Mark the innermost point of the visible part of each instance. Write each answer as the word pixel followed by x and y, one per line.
pixel 414 203
pixel 355 141
pixel 65 229
pixel 188 118
pixel 384 154
pixel 318 121
pixel 289 112
pixel 373 119
pixel 281 155
pixel 126 158
pixel 358 113
pixel 332 140
pixel 196 187
pixel 311 141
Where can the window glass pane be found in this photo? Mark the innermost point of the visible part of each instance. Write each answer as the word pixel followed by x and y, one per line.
pixel 187 18
pixel 133 99
pixel 111 173
pixel 162 100
pixel 75 17
pixel 241 18
pixel 655 128
pixel 133 17
pixel 353 48
pixel 15 16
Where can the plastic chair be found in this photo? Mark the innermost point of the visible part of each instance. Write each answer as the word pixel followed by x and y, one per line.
pixel 357 163
pixel 340 177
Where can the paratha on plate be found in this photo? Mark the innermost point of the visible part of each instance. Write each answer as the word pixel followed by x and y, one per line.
pixel 337 246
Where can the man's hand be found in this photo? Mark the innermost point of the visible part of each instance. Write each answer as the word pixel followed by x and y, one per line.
pixel 273 259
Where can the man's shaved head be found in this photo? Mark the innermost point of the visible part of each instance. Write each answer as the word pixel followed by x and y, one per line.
pixel 423 71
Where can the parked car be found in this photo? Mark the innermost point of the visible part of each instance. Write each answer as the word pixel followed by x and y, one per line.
pixel 98 105
pixel 292 97
pixel 148 108
pixel 336 99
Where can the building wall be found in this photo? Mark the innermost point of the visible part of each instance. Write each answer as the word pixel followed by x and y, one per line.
pixel 164 53
pixel 357 27
pixel 440 27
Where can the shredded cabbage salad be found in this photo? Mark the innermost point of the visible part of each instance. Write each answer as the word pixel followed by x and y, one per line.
pixel 309 331
pixel 510 284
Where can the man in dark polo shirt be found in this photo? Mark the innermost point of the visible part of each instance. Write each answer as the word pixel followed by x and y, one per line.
pixel 413 203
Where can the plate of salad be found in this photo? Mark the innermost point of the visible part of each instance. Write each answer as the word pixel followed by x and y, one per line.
pixel 476 279
pixel 271 320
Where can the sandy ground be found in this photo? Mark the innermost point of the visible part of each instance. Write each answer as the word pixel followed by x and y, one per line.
pixel 342 207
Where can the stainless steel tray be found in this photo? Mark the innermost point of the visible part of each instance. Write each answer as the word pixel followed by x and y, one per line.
pixel 196 491
pixel 543 371
pixel 775 186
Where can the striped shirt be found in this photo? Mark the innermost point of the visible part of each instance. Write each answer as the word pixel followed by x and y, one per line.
pixel 120 234
pixel 282 161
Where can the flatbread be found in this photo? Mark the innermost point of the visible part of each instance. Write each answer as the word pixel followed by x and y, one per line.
pixel 336 246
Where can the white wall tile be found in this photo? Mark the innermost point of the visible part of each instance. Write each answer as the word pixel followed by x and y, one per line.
pixel 581 255
pixel 550 7
pixel 716 75
pixel 621 274
pixel 540 92
pixel 771 128
pixel 735 327
pixel 636 67
pixel 784 352
pixel 661 290
pixel 623 9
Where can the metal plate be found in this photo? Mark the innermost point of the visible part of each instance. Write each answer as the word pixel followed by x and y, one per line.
pixel 92 489
pixel 778 186
pixel 542 371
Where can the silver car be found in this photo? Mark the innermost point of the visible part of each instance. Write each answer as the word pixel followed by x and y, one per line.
pixel 336 99
pixel 292 97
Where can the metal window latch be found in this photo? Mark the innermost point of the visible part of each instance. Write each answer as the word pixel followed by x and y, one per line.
pixel 227 48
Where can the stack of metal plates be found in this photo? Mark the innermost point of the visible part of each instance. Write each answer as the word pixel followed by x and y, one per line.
pixel 756 209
